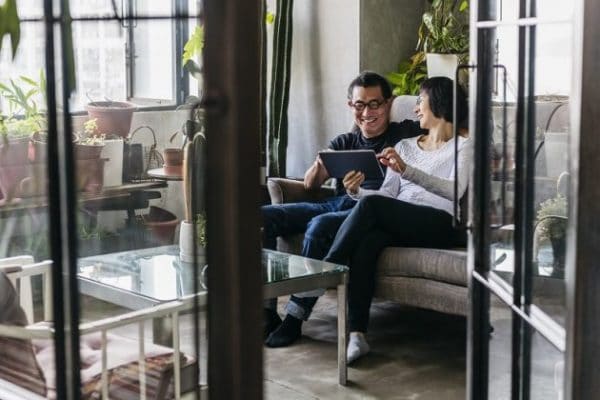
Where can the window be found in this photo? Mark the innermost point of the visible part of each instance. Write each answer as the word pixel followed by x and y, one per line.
pixel 117 60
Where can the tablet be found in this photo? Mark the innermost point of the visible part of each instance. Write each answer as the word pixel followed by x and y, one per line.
pixel 339 163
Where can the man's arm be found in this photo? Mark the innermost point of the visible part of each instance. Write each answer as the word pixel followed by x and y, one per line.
pixel 316 175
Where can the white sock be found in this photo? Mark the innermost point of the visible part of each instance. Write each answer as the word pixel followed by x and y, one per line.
pixel 357 346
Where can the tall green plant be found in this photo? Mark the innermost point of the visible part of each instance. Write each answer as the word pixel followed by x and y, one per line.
pixel 277 137
pixel 445 27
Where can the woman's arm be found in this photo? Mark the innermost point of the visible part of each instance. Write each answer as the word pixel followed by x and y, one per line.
pixel 440 186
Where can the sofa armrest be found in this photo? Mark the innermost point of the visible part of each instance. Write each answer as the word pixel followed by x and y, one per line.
pixel 283 190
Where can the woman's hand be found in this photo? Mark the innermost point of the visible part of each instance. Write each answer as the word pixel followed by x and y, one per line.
pixel 352 181
pixel 390 158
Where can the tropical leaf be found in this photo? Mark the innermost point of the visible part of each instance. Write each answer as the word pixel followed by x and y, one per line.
pixel 10 25
pixel 194 45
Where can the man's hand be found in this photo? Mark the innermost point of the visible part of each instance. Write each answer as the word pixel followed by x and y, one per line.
pixel 390 158
pixel 316 175
pixel 352 181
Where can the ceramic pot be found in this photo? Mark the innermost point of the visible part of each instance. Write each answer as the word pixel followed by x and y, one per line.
pixel 14 167
pixel 173 160
pixel 112 117
pixel 161 224
pixel 88 151
pixel 186 244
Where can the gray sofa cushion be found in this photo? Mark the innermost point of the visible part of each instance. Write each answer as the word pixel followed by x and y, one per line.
pixel 440 265
pixel 436 264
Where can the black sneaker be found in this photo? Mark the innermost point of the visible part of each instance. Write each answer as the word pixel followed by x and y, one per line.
pixel 287 333
pixel 271 322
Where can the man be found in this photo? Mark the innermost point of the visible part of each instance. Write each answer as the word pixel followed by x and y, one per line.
pixel 370 98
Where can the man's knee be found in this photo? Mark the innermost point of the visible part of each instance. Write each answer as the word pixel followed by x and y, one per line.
pixel 323 225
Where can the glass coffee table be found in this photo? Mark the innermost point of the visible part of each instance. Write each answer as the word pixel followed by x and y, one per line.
pixel 144 278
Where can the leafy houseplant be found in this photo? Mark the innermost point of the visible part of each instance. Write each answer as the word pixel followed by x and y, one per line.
pixel 445 30
pixel 551 225
pixel 24 115
pixel 409 76
pixel 18 177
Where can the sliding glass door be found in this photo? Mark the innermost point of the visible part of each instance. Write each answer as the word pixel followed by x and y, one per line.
pixel 521 100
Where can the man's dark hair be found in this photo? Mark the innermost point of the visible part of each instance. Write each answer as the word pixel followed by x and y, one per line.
pixel 439 89
pixel 369 79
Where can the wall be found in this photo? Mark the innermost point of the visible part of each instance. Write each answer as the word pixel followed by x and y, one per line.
pixel 325 58
pixel 333 41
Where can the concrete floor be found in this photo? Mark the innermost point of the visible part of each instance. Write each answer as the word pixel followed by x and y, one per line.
pixel 415 354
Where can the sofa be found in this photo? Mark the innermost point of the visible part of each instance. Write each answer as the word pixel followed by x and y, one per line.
pixel 429 278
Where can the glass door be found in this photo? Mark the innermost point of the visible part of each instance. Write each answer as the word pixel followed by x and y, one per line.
pixel 520 103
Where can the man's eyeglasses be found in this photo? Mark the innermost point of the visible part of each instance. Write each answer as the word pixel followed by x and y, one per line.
pixel 373 105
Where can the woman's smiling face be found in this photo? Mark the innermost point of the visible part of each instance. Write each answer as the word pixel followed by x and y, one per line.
pixel 423 111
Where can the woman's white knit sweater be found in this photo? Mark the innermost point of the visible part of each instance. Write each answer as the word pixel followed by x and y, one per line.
pixel 428 179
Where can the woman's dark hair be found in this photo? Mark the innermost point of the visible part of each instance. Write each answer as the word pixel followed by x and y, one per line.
pixel 439 90
pixel 370 79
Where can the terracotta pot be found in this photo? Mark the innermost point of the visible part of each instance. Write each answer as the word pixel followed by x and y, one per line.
pixel 173 158
pixel 88 151
pixel 112 117
pixel 38 147
pixel 161 225
pixel 90 175
pixel 14 167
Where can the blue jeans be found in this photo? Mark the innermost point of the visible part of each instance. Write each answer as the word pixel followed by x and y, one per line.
pixel 318 221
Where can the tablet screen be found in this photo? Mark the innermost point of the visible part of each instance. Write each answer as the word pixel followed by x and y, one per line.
pixel 339 163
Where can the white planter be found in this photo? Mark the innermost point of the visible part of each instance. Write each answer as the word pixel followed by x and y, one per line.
pixel 556 149
pixel 442 65
pixel 113 168
pixel 186 245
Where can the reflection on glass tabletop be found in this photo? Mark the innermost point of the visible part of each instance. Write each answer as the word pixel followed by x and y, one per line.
pixel 159 273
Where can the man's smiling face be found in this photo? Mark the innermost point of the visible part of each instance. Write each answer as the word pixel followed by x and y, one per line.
pixel 371 111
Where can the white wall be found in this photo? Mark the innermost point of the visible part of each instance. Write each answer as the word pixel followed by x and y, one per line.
pixel 325 58
pixel 333 40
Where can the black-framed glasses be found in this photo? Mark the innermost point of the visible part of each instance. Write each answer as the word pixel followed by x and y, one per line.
pixel 373 105
pixel 419 100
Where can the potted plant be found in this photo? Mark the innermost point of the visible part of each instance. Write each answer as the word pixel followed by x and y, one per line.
pixel 444 36
pixel 112 117
pixel 88 147
pixel 407 80
pixel 16 130
pixel 551 226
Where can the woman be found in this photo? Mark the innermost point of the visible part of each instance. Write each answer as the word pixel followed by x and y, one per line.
pixel 414 206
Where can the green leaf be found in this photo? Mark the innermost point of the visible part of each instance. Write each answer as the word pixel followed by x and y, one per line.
pixel 463 6
pixel 194 45
pixel 270 18
pixel 28 80
pixel 10 25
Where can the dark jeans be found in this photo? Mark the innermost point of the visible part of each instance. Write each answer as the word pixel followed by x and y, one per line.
pixel 318 221
pixel 375 223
